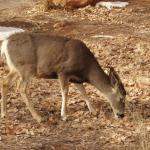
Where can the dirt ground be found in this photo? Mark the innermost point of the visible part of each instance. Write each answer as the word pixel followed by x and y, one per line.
pixel 127 49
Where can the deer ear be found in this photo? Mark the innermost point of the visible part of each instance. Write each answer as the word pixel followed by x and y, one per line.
pixel 114 78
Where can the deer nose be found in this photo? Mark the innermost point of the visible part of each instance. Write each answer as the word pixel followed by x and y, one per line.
pixel 120 115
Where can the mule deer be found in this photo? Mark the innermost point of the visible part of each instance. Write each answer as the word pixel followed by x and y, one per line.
pixel 69 60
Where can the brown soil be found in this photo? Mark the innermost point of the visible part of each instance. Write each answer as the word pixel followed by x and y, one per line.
pixel 128 51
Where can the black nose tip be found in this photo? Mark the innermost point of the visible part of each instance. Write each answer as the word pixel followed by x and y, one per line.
pixel 120 115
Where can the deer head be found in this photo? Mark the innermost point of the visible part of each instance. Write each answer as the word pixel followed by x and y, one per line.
pixel 117 99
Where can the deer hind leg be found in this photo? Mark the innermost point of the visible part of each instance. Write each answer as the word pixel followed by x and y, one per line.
pixel 64 84
pixel 82 90
pixel 6 84
pixel 23 90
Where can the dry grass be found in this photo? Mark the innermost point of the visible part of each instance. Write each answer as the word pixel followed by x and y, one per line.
pixel 142 131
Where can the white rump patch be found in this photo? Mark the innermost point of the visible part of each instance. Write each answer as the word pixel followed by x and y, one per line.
pixel 110 5
pixel 5 32
pixel 4 51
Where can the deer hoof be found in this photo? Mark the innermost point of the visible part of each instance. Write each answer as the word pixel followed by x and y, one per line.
pixel 39 119
pixel 94 112
pixel 64 118
pixel 3 115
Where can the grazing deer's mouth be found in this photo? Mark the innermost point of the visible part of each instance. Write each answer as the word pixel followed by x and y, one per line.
pixel 119 115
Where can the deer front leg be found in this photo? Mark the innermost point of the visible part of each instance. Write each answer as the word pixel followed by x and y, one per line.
pixel 6 83
pixel 64 84
pixel 81 89
pixel 23 91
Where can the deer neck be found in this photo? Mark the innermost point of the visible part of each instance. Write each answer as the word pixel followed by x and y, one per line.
pixel 99 79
